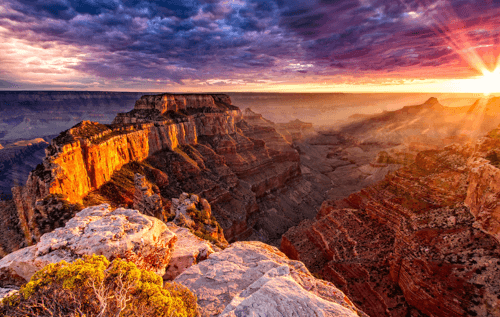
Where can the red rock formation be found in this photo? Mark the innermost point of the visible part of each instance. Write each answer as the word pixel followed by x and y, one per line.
pixel 194 141
pixel 407 245
pixel 85 157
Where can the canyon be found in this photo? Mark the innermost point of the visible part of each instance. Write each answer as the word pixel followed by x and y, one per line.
pixel 422 242
pixel 182 143
pixel 398 210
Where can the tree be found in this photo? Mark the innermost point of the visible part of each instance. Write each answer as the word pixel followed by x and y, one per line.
pixel 96 287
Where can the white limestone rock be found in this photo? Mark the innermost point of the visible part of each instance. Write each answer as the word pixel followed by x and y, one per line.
pixel 6 292
pixel 255 279
pixel 189 250
pixel 123 233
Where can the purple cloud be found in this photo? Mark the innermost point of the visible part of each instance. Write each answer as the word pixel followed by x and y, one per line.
pixel 205 39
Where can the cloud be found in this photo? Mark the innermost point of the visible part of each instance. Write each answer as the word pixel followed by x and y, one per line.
pixel 173 41
pixel 6 84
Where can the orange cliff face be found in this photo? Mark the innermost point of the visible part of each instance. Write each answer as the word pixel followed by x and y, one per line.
pixel 84 157
pixel 198 144
pixel 90 159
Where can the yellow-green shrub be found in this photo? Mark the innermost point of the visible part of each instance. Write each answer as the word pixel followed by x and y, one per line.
pixel 96 287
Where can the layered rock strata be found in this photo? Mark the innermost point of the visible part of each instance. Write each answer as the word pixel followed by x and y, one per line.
pixel 183 143
pixel 252 278
pixel 123 233
pixel 85 157
pixel 484 183
pixel 409 244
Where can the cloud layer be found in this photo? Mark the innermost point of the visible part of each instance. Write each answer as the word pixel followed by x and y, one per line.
pixel 158 44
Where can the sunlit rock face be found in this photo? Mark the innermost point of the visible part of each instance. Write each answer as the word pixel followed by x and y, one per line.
pixel 85 157
pixel 122 233
pixel 409 245
pixel 252 278
pixel 199 144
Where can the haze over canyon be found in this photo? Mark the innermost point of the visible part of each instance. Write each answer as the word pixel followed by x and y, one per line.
pixel 392 212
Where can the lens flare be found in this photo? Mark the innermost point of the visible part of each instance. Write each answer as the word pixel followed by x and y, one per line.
pixel 490 82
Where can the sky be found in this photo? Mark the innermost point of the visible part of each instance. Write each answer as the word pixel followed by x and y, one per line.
pixel 250 45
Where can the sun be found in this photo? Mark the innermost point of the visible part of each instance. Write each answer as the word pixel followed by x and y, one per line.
pixel 489 83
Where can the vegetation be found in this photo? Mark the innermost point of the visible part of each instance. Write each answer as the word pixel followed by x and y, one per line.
pixel 119 190
pixel 86 129
pixel 107 136
pixel 96 287
pixel 204 220
pixel 494 134
pixel 180 150
pixel 83 129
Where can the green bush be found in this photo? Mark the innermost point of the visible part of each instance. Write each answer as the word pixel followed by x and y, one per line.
pixel 96 287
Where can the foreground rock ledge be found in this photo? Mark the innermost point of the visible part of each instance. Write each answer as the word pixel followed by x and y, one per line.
pixel 123 233
pixel 255 279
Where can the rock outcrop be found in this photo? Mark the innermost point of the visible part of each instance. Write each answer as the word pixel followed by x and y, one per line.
pixel 484 183
pixel 180 143
pixel 409 245
pixel 145 200
pixel 85 157
pixel 123 233
pixel 251 278
pixel 196 214
pixel 189 250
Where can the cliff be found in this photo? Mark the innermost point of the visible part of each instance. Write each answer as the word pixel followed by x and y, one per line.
pixel 85 157
pixel 182 143
pixel 484 183
pixel 423 241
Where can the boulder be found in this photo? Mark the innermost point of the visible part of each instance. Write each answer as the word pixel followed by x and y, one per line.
pixel 122 233
pixel 255 279
pixel 189 250
pixel 6 292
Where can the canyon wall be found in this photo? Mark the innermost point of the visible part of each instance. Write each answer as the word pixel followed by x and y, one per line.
pixel 483 192
pixel 185 143
pixel 73 169
pixel 423 242
pixel 85 157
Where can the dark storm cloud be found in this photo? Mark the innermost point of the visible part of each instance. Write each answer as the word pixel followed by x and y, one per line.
pixel 179 39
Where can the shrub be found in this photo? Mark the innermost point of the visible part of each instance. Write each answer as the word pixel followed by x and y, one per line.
pixel 96 287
